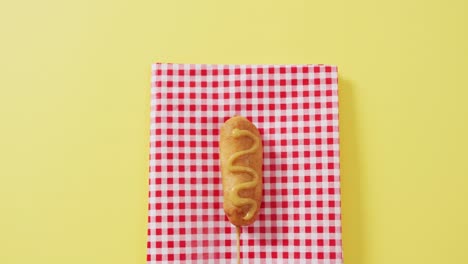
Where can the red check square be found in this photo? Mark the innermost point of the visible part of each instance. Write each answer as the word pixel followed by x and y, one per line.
pixel 295 108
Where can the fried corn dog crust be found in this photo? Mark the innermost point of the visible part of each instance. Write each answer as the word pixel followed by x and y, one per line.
pixel 241 157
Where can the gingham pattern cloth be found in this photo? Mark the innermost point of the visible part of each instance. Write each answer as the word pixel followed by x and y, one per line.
pixel 295 108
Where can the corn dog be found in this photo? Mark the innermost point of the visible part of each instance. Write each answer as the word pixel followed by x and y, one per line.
pixel 241 168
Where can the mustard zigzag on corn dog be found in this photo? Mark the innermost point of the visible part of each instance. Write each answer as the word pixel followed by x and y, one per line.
pixel 241 155
pixel 234 194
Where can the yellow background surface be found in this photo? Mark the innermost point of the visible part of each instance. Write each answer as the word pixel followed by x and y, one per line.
pixel 74 117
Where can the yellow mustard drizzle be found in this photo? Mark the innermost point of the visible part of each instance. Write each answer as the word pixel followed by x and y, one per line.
pixel 234 194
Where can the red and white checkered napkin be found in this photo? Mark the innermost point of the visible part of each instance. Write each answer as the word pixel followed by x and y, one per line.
pixel 295 108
